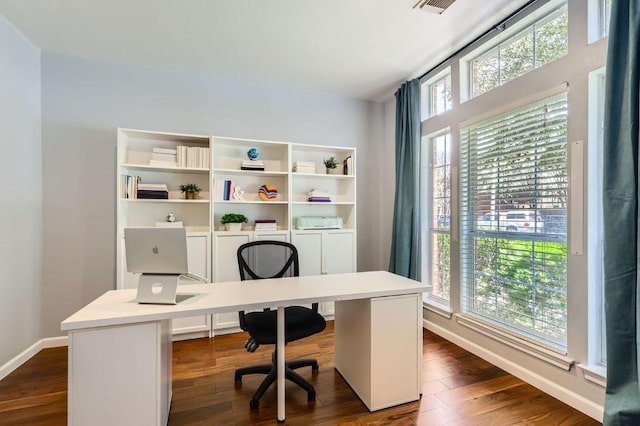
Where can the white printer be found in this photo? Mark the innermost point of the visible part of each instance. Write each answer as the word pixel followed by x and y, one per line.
pixel 319 222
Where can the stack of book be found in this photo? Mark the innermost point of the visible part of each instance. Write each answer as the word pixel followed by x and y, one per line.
pixel 252 165
pixel 129 186
pixel 195 157
pixel 318 196
pixel 153 191
pixel 304 167
pixel 266 225
pixel 163 157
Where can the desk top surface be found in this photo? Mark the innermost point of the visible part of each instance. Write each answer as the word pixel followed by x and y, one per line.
pixel 117 307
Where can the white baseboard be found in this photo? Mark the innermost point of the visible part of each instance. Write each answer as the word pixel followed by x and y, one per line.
pixel 55 342
pixel 20 359
pixel 565 395
pixel 24 356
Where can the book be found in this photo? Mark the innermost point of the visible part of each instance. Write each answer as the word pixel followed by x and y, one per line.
pixel 347 166
pixel 129 186
pixel 266 227
pixel 147 194
pixel 153 186
pixel 164 150
pixel 265 221
pixel 304 169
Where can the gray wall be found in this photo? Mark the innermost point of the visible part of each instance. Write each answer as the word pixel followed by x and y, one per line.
pixel 21 193
pixel 84 101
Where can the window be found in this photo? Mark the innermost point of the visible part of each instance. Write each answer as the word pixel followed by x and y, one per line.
pixel 541 43
pixel 437 177
pixel 436 95
pixel 514 219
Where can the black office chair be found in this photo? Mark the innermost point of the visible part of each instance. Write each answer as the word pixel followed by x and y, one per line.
pixel 275 259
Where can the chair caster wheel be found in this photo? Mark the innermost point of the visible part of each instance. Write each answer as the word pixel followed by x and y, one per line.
pixel 311 396
pixel 238 378
pixel 315 368
pixel 253 404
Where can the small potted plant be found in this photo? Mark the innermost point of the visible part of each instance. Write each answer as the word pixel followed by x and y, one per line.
pixel 330 163
pixel 190 190
pixel 233 221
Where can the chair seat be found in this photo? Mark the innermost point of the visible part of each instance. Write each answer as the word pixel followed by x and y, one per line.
pixel 300 322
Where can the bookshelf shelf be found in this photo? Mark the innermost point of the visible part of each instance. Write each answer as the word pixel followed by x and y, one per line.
pixel 262 203
pixel 248 172
pixel 334 203
pixel 321 176
pixel 169 201
pixel 143 167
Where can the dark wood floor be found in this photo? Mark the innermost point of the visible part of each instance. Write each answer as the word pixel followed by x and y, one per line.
pixel 459 389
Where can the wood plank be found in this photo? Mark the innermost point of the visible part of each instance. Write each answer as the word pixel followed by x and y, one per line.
pixel 459 389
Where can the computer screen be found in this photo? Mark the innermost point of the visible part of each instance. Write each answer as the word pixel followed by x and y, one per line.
pixel 156 250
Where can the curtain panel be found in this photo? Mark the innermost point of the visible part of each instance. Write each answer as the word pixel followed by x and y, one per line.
pixel 405 240
pixel 620 214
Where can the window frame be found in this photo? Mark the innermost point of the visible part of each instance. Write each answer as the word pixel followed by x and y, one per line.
pixel 427 101
pixel 540 17
pixel 428 230
pixel 596 326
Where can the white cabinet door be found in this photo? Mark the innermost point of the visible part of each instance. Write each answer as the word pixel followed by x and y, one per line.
pixel 339 252
pixel 325 252
pixel 198 255
pixel 225 248
pixel 309 245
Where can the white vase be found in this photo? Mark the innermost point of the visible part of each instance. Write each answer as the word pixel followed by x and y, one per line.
pixel 235 227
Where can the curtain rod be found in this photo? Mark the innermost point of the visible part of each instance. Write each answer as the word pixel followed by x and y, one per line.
pixel 498 27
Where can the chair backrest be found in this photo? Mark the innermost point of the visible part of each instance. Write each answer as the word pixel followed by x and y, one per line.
pixel 262 259
pixel 267 259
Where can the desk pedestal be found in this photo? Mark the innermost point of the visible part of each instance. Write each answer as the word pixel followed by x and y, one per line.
pixel 120 375
pixel 378 348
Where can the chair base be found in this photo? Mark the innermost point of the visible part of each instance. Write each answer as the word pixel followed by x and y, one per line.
pixel 271 370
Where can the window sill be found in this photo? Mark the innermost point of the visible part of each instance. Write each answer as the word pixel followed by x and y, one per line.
pixel 438 308
pixel 594 373
pixel 548 354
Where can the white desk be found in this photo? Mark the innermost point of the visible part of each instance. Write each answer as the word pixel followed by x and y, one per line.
pixel 120 351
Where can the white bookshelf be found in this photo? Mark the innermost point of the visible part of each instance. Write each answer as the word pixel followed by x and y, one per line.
pixel 201 216
pixel 134 153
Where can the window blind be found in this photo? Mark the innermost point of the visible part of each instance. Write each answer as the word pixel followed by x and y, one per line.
pixel 514 219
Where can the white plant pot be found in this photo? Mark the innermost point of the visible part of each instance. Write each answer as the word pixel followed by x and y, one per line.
pixel 235 227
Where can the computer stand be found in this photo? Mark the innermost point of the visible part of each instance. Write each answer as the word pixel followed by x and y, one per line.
pixel 158 288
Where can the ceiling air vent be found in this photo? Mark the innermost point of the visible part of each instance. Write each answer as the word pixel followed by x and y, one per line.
pixel 434 6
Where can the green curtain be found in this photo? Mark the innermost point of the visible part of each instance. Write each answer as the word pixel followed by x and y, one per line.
pixel 405 240
pixel 620 213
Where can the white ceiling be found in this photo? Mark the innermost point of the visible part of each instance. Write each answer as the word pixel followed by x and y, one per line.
pixel 357 48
